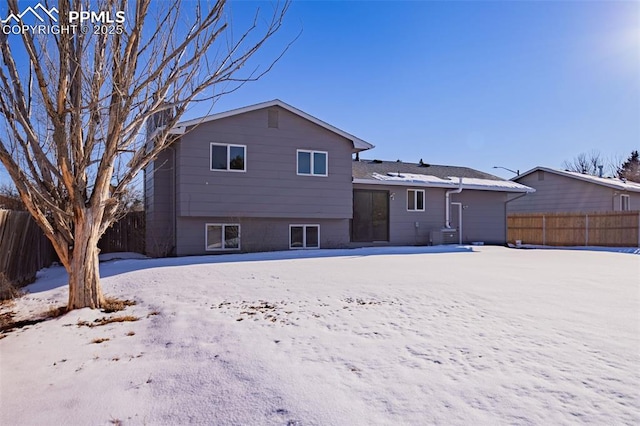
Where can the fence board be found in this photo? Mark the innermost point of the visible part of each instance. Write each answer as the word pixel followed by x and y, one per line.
pixel 23 247
pixel 615 229
pixel 127 234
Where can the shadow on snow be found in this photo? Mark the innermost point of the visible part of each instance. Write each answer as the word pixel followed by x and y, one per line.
pixel 56 276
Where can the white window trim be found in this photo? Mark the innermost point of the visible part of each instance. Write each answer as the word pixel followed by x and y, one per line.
pixel 228 145
pixel 222 248
pixel 311 152
pixel 624 196
pixel 304 236
pixel 415 200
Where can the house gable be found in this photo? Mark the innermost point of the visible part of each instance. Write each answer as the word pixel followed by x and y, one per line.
pixel 270 186
pixel 357 143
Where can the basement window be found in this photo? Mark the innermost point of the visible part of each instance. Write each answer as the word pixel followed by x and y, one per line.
pixel 304 236
pixel 222 236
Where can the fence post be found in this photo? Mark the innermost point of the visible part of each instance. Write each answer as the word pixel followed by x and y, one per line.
pixel 544 231
pixel 586 232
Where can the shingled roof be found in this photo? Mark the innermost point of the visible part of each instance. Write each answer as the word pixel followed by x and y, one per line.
pixel 433 176
pixel 364 169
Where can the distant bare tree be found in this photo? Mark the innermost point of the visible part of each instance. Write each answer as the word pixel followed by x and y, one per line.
pixel 9 198
pixel 75 104
pixel 587 163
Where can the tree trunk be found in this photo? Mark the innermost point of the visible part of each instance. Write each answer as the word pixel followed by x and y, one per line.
pixel 84 274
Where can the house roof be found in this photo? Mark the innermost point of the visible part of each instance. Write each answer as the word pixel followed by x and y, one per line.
pixel 358 144
pixel 378 172
pixel 610 182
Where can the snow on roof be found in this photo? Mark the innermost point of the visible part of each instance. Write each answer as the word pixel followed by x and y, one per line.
pixel 358 144
pixel 448 182
pixel 611 182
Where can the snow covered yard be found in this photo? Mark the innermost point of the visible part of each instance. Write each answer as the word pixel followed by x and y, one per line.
pixel 484 335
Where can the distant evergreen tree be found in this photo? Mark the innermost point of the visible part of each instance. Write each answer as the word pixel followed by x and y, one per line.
pixel 630 169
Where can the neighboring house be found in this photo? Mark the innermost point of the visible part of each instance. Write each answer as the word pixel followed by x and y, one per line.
pixel 272 177
pixel 564 191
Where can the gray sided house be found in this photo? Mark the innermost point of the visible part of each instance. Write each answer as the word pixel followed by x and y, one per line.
pixel 263 177
pixel 272 177
pixel 564 191
pixel 408 204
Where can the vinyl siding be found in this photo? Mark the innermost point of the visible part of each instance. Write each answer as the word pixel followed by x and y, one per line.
pixel 257 234
pixel 483 216
pixel 563 194
pixel 270 187
pixel 158 205
pixel 402 223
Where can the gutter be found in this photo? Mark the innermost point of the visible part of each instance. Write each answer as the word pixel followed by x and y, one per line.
pixel 515 198
pixel 414 184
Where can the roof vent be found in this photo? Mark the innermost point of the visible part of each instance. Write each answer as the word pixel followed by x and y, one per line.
pixel 423 164
pixel 272 119
pixel 376 161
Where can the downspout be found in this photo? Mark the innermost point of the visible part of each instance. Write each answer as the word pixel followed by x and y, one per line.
pixel 459 204
pixel 447 207
pixel 174 208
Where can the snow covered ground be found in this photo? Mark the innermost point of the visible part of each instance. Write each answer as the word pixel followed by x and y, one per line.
pixel 455 335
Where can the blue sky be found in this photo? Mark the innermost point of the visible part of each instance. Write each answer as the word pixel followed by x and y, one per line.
pixel 478 84
pixel 514 84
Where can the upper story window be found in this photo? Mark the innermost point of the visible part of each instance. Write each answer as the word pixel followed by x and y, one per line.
pixel 228 157
pixel 312 163
pixel 624 202
pixel 415 200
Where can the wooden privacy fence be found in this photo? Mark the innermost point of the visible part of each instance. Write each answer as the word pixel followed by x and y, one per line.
pixel 23 247
pixel 614 229
pixel 127 234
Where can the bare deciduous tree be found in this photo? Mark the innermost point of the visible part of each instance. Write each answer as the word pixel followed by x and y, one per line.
pixel 587 163
pixel 75 105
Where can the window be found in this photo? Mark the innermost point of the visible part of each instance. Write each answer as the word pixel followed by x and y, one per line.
pixel 313 163
pixel 222 237
pixel 415 200
pixel 624 202
pixel 304 236
pixel 228 157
